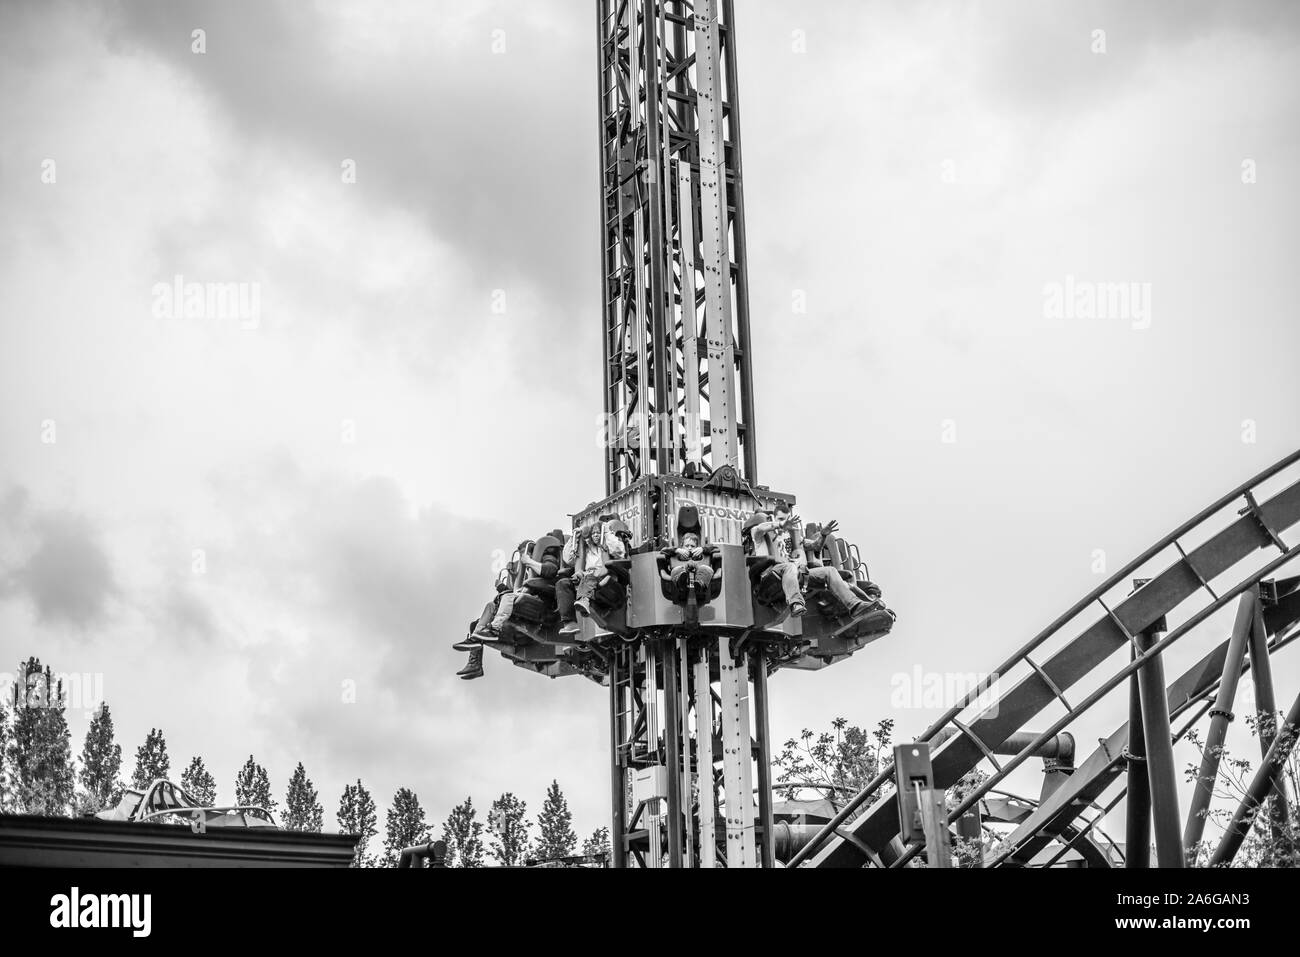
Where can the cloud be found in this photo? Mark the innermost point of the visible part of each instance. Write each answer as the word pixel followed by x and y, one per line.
pixel 59 563
pixel 441 128
pixel 350 597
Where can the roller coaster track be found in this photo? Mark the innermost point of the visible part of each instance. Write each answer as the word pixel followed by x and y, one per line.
pixel 965 740
pixel 1092 777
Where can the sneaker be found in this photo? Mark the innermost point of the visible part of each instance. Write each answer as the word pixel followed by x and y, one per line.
pixel 582 607
pixel 466 644
pixel 797 609
pixel 861 610
pixel 486 634
pixel 569 628
pixel 876 620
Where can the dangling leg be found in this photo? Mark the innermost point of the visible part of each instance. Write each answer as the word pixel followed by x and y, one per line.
pixel 565 595
pixel 474 667
pixel 790 585
pixel 469 643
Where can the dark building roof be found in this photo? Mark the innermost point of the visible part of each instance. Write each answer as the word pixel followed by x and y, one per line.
pixel 28 840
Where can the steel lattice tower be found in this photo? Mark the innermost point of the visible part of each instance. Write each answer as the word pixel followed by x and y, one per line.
pixel 678 387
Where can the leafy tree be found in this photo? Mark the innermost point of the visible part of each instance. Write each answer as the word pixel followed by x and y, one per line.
pixel 1271 840
pixel 597 844
pixel 969 852
pixel 39 753
pixel 253 787
pixel 302 812
pixel 837 763
pixel 101 762
pixel 406 825
pixel 151 761
pixel 4 747
pixel 464 836
pixel 357 815
pixel 509 830
pixel 199 784
pixel 556 837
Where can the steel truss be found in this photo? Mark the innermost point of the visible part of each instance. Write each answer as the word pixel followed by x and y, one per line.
pixel 689 726
pixel 677 380
pixel 1136 622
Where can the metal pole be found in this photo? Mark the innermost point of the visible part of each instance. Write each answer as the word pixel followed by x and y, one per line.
pixel 1259 787
pixel 1261 672
pixel 673 747
pixel 687 775
pixel 1160 754
pixel 934 819
pixel 616 838
pixel 739 254
pixel 604 72
pixel 737 757
pixel 1137 824
pixel 758 669
pixel 1059 746
pixel 1220 717
pixel 704 758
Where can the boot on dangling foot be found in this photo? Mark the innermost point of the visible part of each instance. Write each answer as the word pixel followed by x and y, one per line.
pixel 474 667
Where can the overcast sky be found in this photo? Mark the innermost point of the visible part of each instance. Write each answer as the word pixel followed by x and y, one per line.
pixel 922 175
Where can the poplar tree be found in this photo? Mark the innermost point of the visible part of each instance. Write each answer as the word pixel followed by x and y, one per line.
pixel 556 837
pixel 253 787
pixel 151 761
pixel 199 784
pixel 101 763
pixel 597 844
pixel 406 825
pixel 302 811
pixel 357 815
pixel 509 830
pixel 464 836
pixel 4 747
pixel 39 752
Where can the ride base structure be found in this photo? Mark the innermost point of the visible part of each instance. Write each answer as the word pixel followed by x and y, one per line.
pixel 688 665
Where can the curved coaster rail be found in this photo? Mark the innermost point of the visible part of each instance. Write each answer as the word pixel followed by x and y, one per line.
pixel 846 841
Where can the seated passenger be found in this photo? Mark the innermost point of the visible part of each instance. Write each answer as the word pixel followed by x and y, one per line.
pixel 764 536
pixel 497 612
pixel 618 528
pixel 797 569
pixel 818 545
pixel 566 582
pixel 689 568
pixel 599 543
pixel 542 584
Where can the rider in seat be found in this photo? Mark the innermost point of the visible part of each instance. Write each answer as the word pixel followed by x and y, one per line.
pixel 774 577
pixel 821 546
pixel 529 601
pixel 599 543
pixel 775 538
pixel 688 567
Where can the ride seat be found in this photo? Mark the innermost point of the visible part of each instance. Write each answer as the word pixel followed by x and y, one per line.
pixel 765 580
pixel 677 592
pixel 611 590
